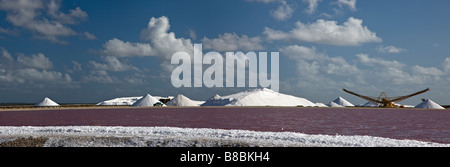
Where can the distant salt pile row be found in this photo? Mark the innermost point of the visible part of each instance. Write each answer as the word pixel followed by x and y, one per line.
pixel 341 102
pixel 126 101
pixel 253 97
pixel 150 101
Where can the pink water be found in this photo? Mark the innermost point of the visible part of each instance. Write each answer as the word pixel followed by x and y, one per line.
pixel 424 125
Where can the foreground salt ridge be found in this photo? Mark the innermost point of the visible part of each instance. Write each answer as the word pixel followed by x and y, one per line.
pixel 100 136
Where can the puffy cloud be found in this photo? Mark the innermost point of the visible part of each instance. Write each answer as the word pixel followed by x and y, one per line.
pixel 432 71
pixel 390 71
pixel 73 17
pixel 390 49
pixel 76 66
pixel 302 52
pixel 112 64
pixel 89 36
pixel 160 44
pixel 31 74
pixel 38 61
pixel 6 56
pixel 350 33
pixel 312 5
pixel 29 15
pixel 233 42
pixel 367 60
pixel 283 12
pixel 35 69
pixel 386 71
pixel 119 48
pixel 192 34
pixel 351 4
pixel 318 71
pixel 100 76
pixel 314 67
pixel 8 31
pixel 163 42
pixel 446 64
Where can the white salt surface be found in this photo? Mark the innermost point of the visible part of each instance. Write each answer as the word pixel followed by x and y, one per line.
pixel 100 136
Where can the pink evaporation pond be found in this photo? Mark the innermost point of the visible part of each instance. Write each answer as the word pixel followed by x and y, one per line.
pixel 416 124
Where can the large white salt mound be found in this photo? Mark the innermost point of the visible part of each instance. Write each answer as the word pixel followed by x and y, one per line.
pixel 429 104
pixel 120 101
pixel 181 100
pixel 126 101
pixel 46 103
pixel 341 101
pixel 333 104
pixel 258 97
pixel 146 101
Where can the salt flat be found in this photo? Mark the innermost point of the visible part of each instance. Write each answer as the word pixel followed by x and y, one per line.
pixel 108 136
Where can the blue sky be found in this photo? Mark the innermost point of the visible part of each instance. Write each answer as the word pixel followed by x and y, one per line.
pixel 90 51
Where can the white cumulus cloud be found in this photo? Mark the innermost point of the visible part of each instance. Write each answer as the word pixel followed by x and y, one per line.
pixel 112 64
pixel 159 43
pixel 390 49
pixel 351 4
pixel 283 12
pixel 315 68
pixel 446 64
pixel 38 61
pixel 350 33
pixel 233 42
pixel 35 69
pixel 312 5
pixel 119 48
pixel 43 18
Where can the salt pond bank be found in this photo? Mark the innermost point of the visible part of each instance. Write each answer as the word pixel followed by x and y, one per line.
pixel 101 136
